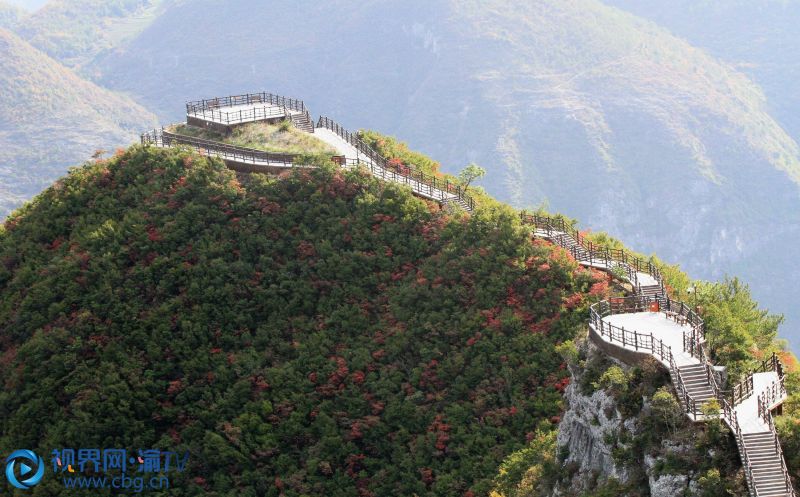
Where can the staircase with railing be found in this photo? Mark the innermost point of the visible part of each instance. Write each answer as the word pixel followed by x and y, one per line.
pixel 693 376
pixel 685 357
pixel 643 275
pixel 440 189
pixel 240 109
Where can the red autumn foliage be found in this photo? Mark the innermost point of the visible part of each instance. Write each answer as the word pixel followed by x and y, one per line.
pixel 174 387
pixel 599 289
pixel 306 249
pixel 354 464
pixel 259 383
pixel 355 431
pixel 427 476
pixel 573 300
pixel 152 234
pixel 441 429
pixel 492 321
pixel 56 243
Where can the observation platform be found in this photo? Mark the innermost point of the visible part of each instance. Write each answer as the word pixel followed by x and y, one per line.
pixel 241 114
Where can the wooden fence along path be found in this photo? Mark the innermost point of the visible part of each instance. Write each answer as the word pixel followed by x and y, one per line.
pixel 353 150
pixel 677 340
pixel 674 333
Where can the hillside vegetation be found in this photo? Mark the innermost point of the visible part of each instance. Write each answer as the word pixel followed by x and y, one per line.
pixel 280 138
pixel 554 98
pixel 315 334
pixel 321 333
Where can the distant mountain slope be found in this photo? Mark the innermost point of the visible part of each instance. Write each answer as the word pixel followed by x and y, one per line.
pixel 75 31
pixel 605 116
pixel 9 15
pixel 51 119
pixel 28 5
pixel 759 37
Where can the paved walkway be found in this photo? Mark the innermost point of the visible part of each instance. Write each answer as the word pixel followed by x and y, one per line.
pixel 671 333
pixel 349 151
pixel 666 330
pixel 644 279
pixel 239 114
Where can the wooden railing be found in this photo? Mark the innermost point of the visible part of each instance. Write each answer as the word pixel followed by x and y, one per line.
pixel 645 342
pixel 441 188
pixel 731 418
pixel 199 106
pixel 163 138
pixel 744 388
pixel 595 255
pixel 642 303
pixel 767 399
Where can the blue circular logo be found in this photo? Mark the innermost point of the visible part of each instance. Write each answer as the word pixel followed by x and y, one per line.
pixel 24 468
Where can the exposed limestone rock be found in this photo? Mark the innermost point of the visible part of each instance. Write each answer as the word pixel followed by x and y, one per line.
pixel 592 426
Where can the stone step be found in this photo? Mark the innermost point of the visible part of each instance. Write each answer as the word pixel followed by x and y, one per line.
pixel 768 489
pixel 694 375
pixel 772 475
pixel 773 492
pixel 695 379
pixel 752 453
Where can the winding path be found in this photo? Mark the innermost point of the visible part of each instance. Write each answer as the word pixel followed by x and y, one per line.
pixel 630 329
pixel 650 324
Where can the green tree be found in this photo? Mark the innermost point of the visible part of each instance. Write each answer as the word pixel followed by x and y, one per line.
pixel 470 173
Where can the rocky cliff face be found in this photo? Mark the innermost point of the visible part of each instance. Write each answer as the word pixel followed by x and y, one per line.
pixel 603 444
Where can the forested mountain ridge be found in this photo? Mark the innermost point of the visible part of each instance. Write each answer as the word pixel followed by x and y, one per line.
pixel 321 332
pixel 315 334
pixel 554 98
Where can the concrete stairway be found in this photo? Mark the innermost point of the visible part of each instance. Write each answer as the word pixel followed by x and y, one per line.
pixel 768 476
pixel 651 291
pixel 302 121
pixel 759 450
pixel 695 381
pixel 573 247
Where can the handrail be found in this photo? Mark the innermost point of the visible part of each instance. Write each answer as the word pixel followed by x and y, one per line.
pixel 744 388
pixel 429 181
pixel 765 400
pixel 163 138
pixel 643 303
pixel 647 342
pixel 196 106
pixel 729 414
pixel 586 250
pixel 774 392
pixel 641 341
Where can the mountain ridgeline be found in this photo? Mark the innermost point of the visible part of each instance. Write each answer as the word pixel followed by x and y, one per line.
pixel 683 131
pixel 319 332
pixel 314 334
